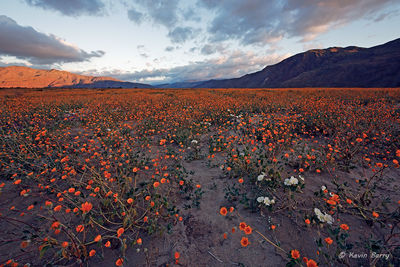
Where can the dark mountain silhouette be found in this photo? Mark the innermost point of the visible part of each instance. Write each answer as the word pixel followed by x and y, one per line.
pixel 352 66
pixel 24 77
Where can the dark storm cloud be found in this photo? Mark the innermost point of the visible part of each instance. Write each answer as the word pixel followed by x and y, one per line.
pixel 70 7
pixel 260 21
pixel 36 47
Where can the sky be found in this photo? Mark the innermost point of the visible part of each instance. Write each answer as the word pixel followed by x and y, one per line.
pixel 165 41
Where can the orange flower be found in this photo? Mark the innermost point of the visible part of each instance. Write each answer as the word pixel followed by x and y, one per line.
pixel 129 200
pixel 331 202
pixel 135 169
pixel 120 231
pixel 307 221
pixel 64 244
pixel 176 255
pixel 55 225
pixel 107 244
pixel 24 244
pixel 163 180
pixel 273 227
pixel 92 252
pixel 295 254
pixel 231 209
pixel 242 225
pixel 181 182
pixel 225 235
pixel 139 241
pixel 375 214
pixel 248 230
pixel 311 263
pixel 244 242
pixel 156 184
pixel 119 262
pixel 223 211
pixel 349 201
pixel 240 180
pixel 57 208
pixel 97 238
pixel 80 228
pixel 329 240
pixel 17 181
pixel 344 226
pixel 86 207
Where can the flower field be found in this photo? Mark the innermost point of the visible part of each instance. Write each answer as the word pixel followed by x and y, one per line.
pixel 200 177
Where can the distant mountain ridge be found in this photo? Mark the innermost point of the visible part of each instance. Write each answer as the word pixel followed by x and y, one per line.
pixel 352 66
pixel 25 77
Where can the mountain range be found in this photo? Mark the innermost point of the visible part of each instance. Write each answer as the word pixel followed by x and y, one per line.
pixel 352 66
pixel 24 77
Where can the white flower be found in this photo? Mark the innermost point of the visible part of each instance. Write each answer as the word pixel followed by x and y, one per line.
pixel 323 188
pixel 319 214
pixel 268 201
pixel 261 177
pixel 328 218
pixel 194 141
pixel 323 217
pixel 291 181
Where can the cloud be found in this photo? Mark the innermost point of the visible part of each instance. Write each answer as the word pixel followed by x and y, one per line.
pixel 168 14
pixel 135 16
pixel 261 22
pixel 160 12
pixel 36 47
pixel 209 49
pixel 169 49
pixel 71 7
pixel 235 64
pixel 181 34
